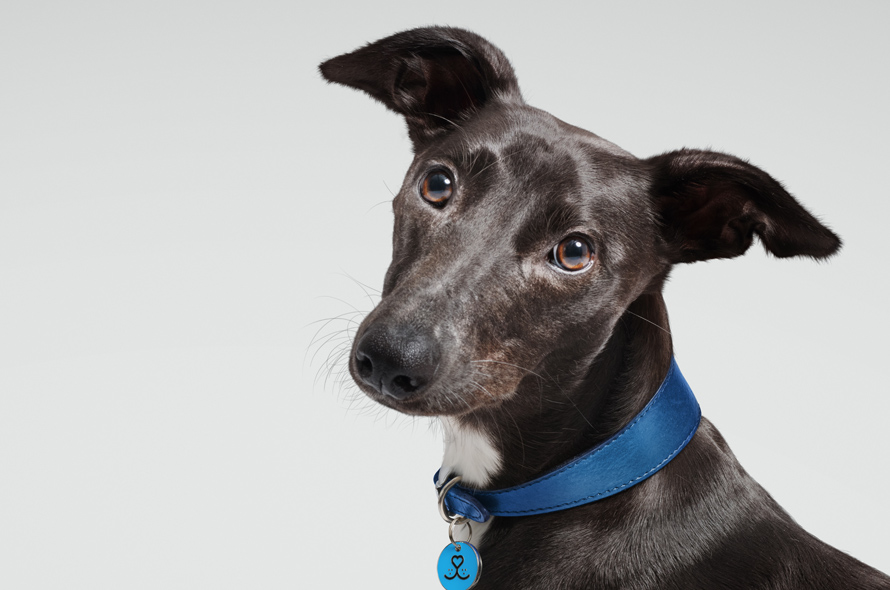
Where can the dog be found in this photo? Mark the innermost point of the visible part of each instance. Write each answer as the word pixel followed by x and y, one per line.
pixel 523 307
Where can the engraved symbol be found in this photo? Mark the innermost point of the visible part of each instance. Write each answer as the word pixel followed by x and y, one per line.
pixel 457 561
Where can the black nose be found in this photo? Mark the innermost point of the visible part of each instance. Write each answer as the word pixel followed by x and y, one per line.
pixel 396 361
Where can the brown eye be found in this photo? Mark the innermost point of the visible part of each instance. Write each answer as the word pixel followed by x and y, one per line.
pixel 573 254
pixel 437 187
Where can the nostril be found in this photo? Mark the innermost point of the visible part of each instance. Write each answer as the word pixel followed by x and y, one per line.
pixel 407 384
pixel 364 365
pixel 402 386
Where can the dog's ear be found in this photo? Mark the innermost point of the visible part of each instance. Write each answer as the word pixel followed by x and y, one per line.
pixel 710 206
pixel 436 77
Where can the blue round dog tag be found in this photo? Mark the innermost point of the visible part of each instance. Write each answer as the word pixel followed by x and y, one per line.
pixel 459 566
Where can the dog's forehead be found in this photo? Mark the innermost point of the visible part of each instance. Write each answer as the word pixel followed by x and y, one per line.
pixel 526 132
pixel 529 150
pixel 556 177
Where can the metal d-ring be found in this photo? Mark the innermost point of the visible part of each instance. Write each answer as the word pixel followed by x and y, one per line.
pixel 459 520
pixel 443 512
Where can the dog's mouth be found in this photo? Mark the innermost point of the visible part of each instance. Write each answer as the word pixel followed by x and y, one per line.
pixel 438 398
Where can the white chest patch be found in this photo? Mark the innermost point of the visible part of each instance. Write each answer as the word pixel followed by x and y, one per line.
pixel 469 453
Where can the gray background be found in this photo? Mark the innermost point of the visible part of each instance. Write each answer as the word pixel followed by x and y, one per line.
pixel 181 197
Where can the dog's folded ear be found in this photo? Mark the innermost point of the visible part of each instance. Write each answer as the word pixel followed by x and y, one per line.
pixel 436 77
pixel 711 205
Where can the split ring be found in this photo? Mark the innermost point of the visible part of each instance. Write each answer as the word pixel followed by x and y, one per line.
pixel 443 512
pixel 459 520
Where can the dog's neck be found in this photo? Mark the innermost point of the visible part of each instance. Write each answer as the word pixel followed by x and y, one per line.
pixel 548 422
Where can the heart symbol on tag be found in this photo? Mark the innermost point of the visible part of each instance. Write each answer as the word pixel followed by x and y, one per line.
pixel 459 566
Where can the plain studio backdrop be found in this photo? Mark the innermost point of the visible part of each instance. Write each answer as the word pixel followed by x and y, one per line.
pixel 182 197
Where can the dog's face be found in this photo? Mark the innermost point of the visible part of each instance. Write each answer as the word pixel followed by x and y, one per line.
pixel 515 235
pixel 520 240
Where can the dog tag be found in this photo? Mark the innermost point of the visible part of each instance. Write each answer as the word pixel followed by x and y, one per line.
pixel 459 566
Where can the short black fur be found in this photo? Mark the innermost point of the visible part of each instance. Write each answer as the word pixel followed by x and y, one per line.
pixel 548 363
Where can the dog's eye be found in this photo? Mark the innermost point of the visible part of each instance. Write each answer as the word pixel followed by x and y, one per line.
pixel 437 187
pixel 573 254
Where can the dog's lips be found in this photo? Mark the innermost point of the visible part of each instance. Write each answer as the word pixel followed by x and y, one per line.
pixel 438 400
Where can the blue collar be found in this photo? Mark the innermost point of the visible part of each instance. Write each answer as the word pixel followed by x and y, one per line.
pixel 654 437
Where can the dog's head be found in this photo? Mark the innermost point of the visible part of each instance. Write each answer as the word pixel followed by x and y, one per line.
pixel 520 240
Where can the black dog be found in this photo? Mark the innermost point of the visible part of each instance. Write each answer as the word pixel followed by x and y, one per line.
pixel 523 304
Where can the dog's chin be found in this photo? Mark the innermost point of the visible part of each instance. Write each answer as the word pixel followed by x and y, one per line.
pixel 431 403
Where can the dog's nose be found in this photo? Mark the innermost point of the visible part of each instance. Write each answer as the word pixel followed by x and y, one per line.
pixel 398 362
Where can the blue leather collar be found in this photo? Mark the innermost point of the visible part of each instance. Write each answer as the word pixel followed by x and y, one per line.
pixel 654 437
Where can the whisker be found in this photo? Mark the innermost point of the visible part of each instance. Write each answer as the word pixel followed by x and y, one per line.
pixel 649 321
pixel 332 318
pixel 390 192
pixel 444 119
pixel 359 283
pixel 511 365
pixel 490 394
pixel 372 207
pixel 496 161
pixel 327 322
pixel 346 337
pixel 316 338
pixel 331 363
pixel 341 301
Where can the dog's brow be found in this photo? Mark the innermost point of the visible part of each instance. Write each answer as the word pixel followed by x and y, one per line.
pixel 551 220
pixel 476 161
